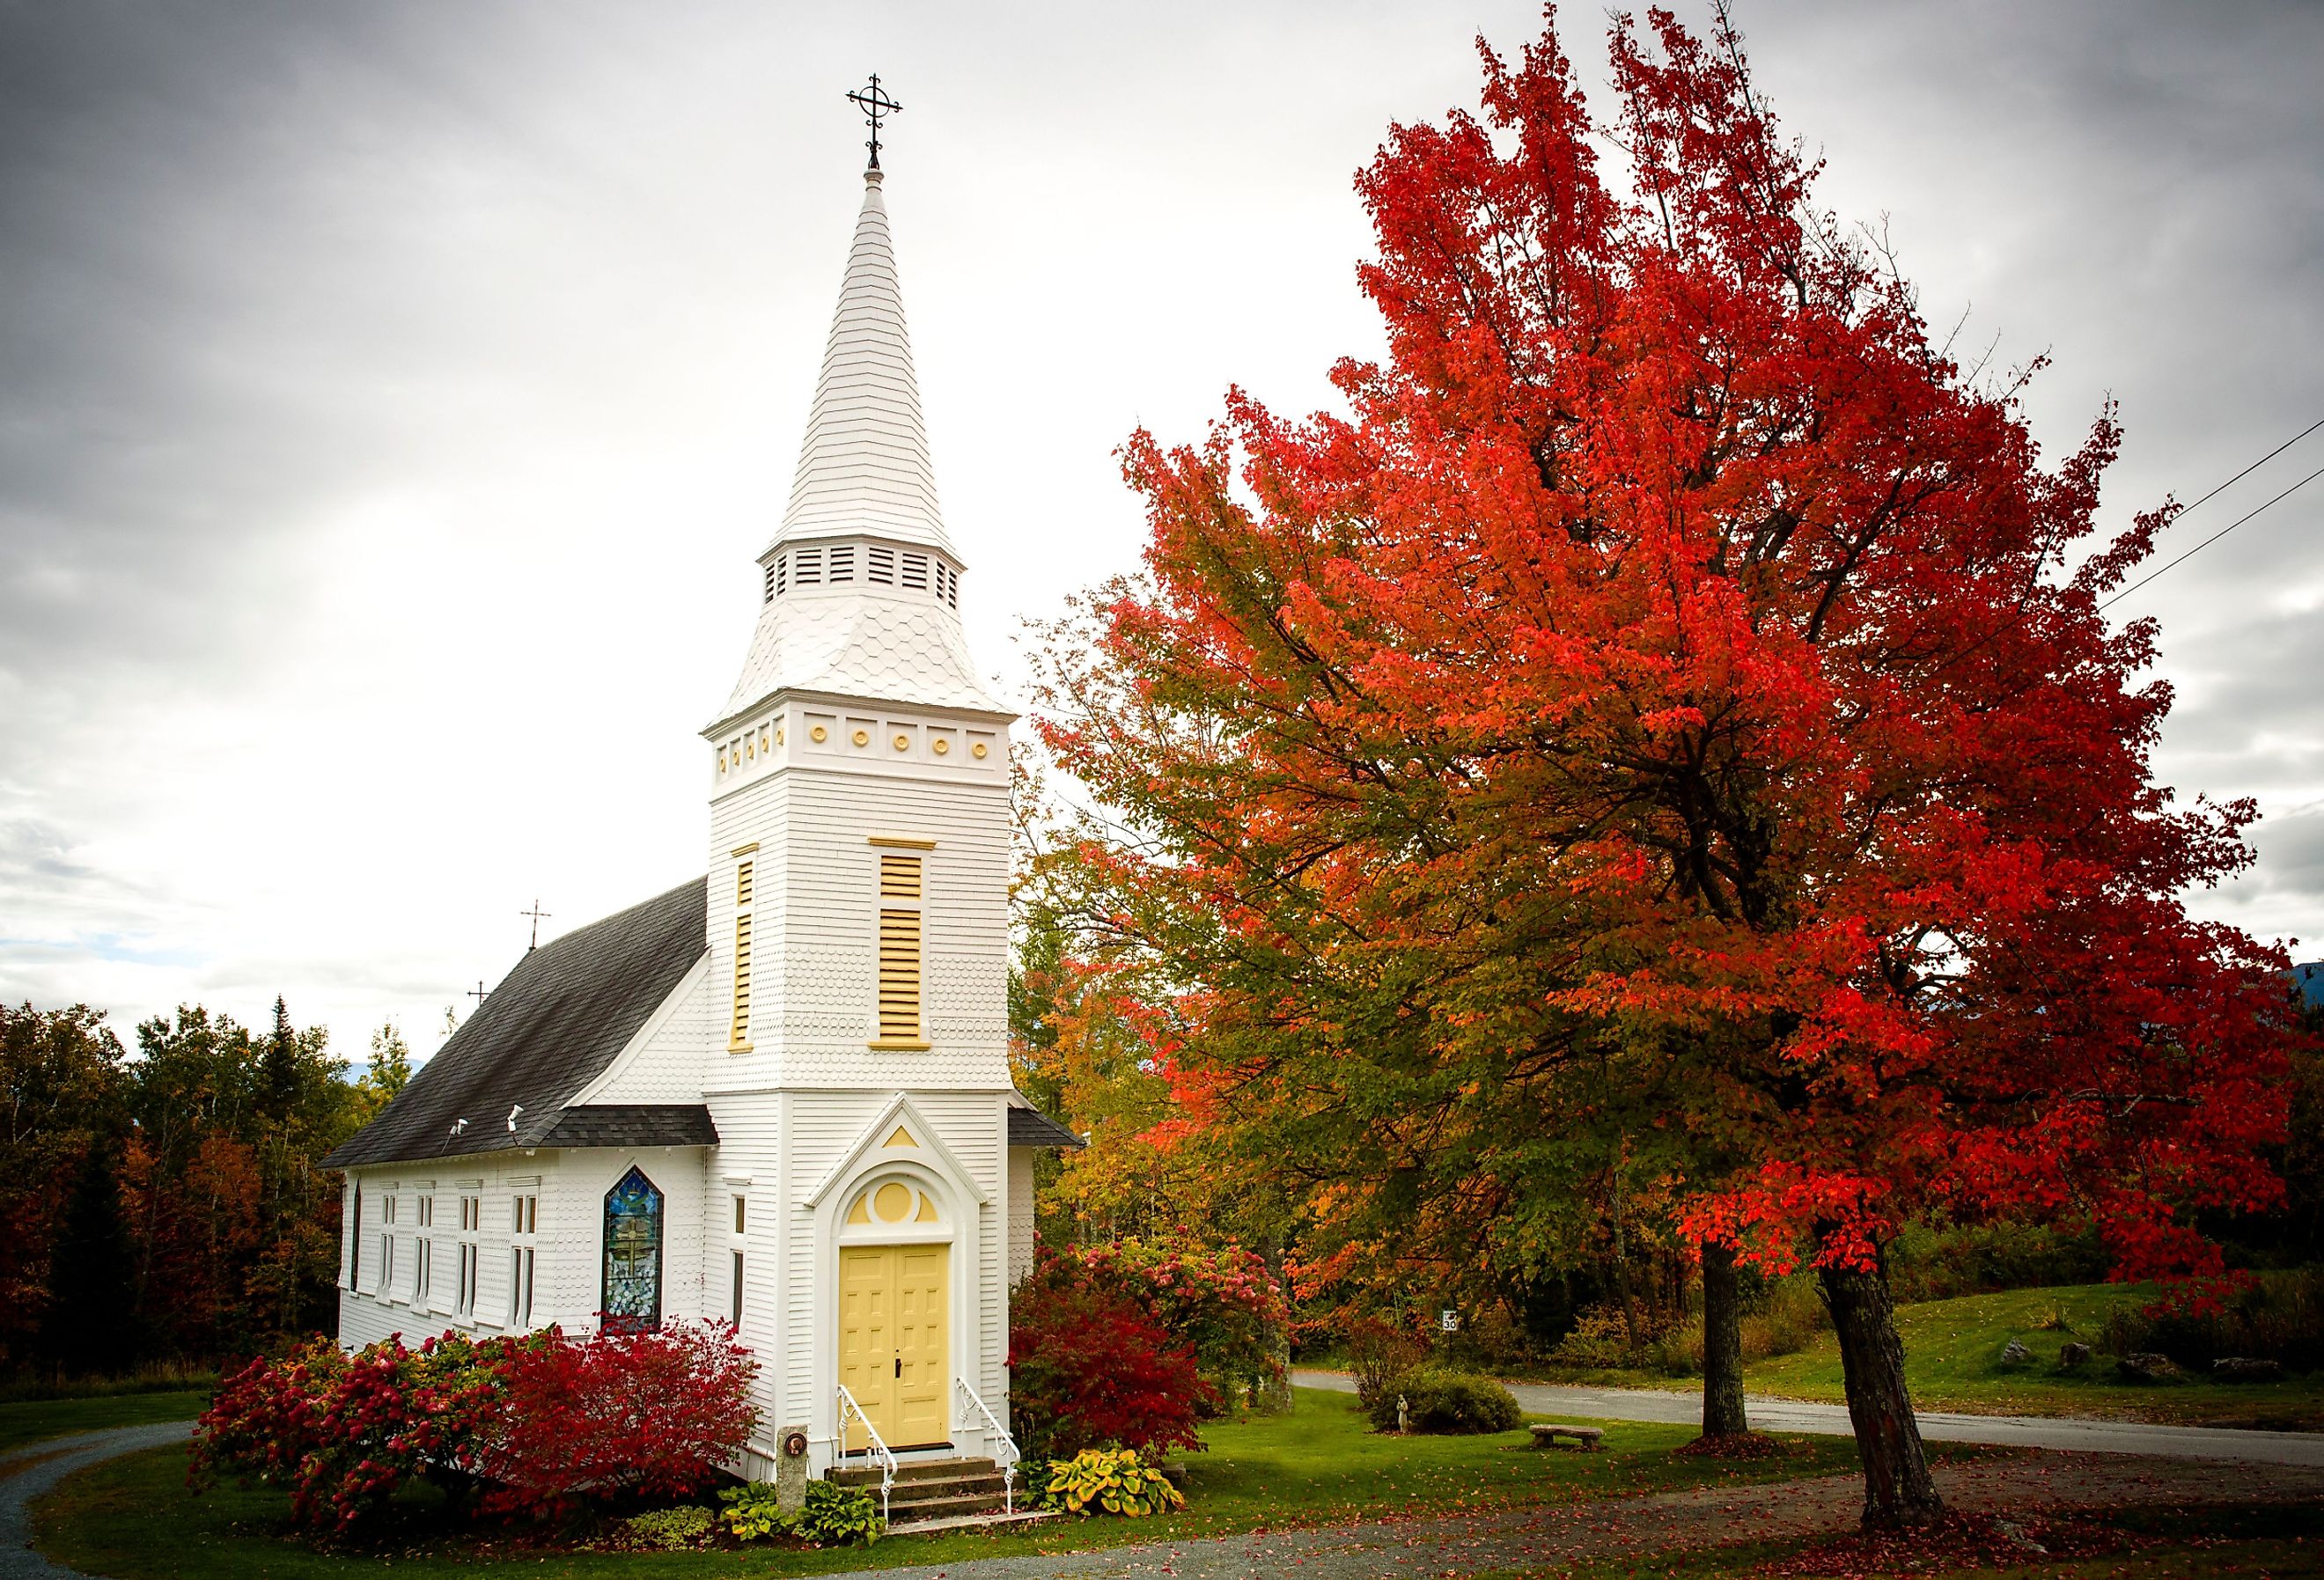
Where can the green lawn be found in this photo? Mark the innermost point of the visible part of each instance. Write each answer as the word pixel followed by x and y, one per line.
pixel 1952 1358
pixel 131 1518
pixel 24 1421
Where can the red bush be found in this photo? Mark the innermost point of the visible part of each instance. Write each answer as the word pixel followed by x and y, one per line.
pixel 1090 1369
pixel 544 1420
pixel 341 1433
pixel 618 1413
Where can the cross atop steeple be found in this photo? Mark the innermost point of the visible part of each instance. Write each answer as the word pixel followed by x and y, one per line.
pixel 874 105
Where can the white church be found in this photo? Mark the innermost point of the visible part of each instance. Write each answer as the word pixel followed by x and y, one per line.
pixel 776 1095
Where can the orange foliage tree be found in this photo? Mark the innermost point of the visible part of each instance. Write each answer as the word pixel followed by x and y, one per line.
pixel 1666 727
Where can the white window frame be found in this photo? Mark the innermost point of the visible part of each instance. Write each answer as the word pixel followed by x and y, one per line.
pixel 524 1227
pixel 472 1220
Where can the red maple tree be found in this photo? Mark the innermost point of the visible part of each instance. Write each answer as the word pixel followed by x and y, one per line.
pixel 1671 710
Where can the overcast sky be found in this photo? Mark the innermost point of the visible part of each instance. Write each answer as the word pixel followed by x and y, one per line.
pixel 393 396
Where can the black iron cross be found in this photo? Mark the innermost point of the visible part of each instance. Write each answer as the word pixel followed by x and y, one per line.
pixel 874 105
pixel 479 992
pixel 538 916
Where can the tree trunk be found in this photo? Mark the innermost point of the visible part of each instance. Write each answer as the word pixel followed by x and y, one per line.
pixel 1722 1343
pixel 1897 1490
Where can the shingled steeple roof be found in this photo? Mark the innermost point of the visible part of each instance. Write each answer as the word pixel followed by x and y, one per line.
pixel 862 585
pixel 863 466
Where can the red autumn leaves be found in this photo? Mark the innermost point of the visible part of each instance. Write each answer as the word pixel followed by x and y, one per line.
pixel 1665 723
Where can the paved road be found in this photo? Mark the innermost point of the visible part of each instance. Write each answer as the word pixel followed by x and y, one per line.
pixel 1433 1546
pixel 29 1471
pixel 1791 1415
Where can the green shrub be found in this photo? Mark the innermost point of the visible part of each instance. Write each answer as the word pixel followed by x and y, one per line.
pixel 1601 1340
pixel 2279 1318
pixel 1941 1262
pixel 1439 1401
pixel 753 1512
pixel 671 1529
pixel 837 1516
pixel 1114 1481
pixel 1784 1317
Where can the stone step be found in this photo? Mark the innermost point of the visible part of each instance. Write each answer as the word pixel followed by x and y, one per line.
pixel 939 1508
pixel 920 1491
pixel 992 1521
pixel 856 1473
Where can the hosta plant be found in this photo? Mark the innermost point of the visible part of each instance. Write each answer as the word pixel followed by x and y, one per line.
pixel 674 1530
pixel 1112 1481
pixel 752 1512
pixel 837 1516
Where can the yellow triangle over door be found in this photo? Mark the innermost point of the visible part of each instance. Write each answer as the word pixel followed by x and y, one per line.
pixel 895 1305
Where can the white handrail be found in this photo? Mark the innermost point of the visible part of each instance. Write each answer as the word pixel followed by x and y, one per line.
pixel 996 1430
pixel 876 1444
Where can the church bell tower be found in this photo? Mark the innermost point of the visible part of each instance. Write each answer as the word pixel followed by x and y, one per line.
pixel 857 914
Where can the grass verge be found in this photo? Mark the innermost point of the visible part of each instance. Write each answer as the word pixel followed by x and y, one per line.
pixel 131 1518
pixel 34 1421
pixel 1952 1359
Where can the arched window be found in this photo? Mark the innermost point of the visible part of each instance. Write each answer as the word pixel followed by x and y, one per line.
pixel 633 1290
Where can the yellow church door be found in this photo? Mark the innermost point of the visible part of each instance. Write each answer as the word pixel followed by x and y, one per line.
pixel 894 1301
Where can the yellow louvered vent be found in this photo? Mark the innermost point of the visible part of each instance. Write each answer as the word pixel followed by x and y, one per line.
pixel 899 877
pixel 742 886
pixel 899 973
pixel 740 1035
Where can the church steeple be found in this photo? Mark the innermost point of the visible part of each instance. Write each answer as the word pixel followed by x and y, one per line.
pixel 863 466
pixel 861 585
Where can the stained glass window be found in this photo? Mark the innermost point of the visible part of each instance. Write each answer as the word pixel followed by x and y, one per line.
pixel 632 1294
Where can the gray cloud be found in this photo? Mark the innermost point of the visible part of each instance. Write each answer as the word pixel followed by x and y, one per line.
pixel 391 396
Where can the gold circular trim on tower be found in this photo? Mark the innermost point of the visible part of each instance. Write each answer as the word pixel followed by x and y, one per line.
pixel 977 750
pixel 862 737
pixel 942 746
pixel 820 733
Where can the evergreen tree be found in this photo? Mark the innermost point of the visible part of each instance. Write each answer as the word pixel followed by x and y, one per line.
pixel 278 1078
pixel 90 1329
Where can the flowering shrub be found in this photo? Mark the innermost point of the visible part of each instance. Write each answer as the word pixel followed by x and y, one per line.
pixel 1116 1482
pixel 543 1420
pixel 343 1432
pixel 1089 1368
pixel 1224 1303
pixel 653 1412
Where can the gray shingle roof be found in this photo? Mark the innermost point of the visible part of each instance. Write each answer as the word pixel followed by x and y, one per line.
pixel 1029 1127
pixel 549 1029
pixel 635 1125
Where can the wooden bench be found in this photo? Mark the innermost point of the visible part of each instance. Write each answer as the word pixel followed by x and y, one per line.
pixel 1585 1438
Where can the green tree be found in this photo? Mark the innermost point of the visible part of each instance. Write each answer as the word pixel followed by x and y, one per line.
pixel 385 1076
pixel 62 1104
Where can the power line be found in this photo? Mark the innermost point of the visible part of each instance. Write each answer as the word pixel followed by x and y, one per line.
pixel 2223 531
pixel 2255 467
pixel 2215 494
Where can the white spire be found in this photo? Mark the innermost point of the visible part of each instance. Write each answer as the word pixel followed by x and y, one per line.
pixel 865 464
pixel 887 627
